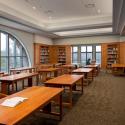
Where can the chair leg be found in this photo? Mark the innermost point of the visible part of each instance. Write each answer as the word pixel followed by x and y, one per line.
pixel 8 89
pixel 16 86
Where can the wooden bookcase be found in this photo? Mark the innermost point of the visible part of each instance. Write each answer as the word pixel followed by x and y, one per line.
pixel 61 55
pixel 44 54
pixel 112 54
pixel 41 54
pixel 52 54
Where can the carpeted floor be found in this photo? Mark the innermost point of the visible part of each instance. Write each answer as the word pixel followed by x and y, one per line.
pixel 103 103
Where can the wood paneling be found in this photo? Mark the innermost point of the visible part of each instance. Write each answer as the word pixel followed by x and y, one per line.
pixel 68 54
pixel 53 54
pixel 104 56
pixel 36 54
pixel 122 52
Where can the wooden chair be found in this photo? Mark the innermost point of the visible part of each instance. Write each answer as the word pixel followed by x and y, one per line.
pixel 6 74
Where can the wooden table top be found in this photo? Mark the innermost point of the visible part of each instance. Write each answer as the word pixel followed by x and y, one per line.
pixel 37 96
pixel 82 70
pixel 22 68
pixel 1 72
pixel 17 76
pixel 48 70
pixel 68 66
pixel 66 79
pixel 118 65
pixel 91 66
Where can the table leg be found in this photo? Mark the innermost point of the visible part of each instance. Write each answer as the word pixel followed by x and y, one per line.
pixel 55 73
pixel 22 84
pixel 29 81
pixel 37 80
pixel 4 88
pixel 48 108
pixel 82 82
pixel 70 96
pixel 60 107
pixel 87 78
pixel 92 74
pixel 13 87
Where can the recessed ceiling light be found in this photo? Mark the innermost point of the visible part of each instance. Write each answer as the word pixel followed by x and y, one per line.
pixel 98 11
pixel 50 17
pixel 90 5
pixel 34 8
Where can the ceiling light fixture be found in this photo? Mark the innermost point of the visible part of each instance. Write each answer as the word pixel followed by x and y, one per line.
pixel 84 32
pixel 90 5
pixel 50 17
pixel 34 8
pixel 98 11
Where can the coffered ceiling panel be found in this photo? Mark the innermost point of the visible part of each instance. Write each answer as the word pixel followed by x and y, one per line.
pixel 52 15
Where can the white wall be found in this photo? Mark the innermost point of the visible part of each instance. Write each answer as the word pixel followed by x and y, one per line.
pixel 42 39
pixel 87 40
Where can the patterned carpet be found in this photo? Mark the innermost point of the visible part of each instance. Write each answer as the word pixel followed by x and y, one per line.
pixel 103 103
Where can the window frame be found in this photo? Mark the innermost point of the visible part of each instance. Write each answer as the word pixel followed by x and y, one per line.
pixel 76 53
pixel 80 53
pixel 15 56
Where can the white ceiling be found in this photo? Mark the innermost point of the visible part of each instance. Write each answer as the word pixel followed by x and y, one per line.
pixel 58 15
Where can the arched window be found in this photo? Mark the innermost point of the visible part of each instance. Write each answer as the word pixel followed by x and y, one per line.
pixel 12 53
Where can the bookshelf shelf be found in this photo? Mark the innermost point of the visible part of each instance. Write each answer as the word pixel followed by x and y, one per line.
pixel 112 54
pixel 44 54
pixel 62 55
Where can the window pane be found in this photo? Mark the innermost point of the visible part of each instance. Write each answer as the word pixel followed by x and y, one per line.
pixel 18 49
pixel 12 52
pixel 98 57
pixel 83 48
pixel 18 62
pixel 24 53
pixel 11 46
pixel 83 58
pixel 4 64
pixel 75 48
pixel 75 57
pixel 89 48
pixel 89 56
pixel 11 62
pixel 98 48
pixel 4 51
pixel 25 62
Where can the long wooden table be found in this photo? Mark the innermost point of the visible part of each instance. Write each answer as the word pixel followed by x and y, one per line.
pixel 11 79
pixel 96 68
pixel 88 73
pixel 22 69
pixel 38 97
pixel 1 73
pixel 118 69
pixel 44 73
pixel 68 68
pixel 66 80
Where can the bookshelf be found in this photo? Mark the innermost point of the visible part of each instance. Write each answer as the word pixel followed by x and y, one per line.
pixel 61 55
pixel 52 54
pixel 44 54
pixel 112 55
